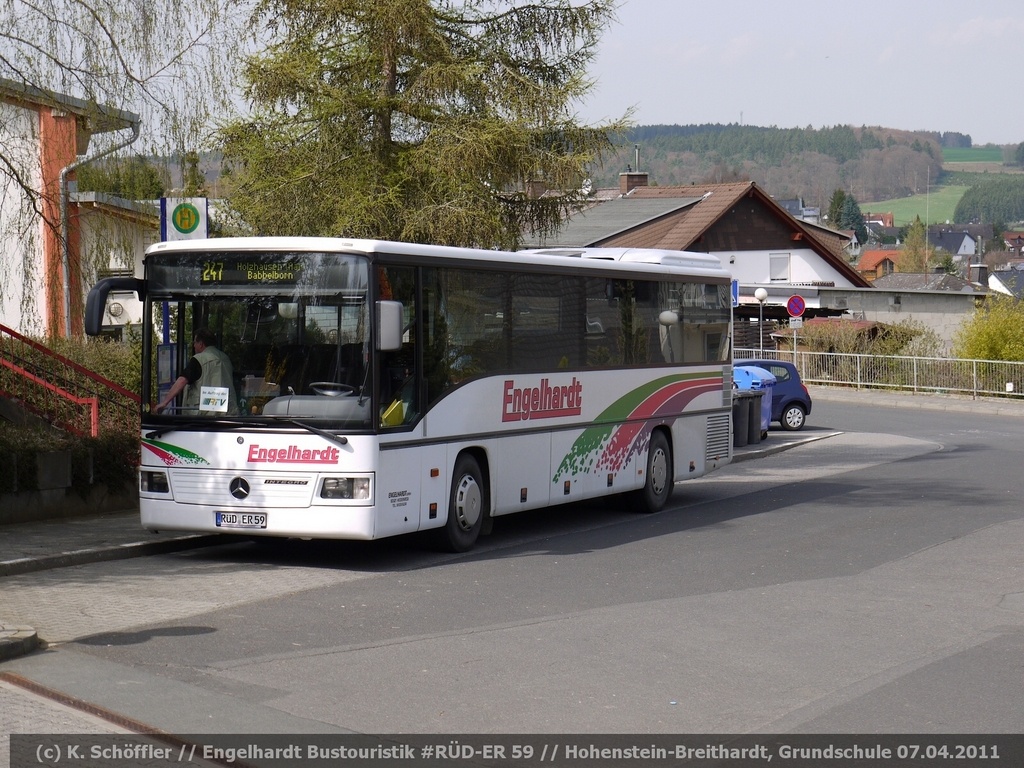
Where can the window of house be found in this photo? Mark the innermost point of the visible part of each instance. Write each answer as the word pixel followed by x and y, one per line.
pixel 778 266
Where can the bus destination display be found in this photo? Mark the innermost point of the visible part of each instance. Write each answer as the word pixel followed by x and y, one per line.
pixel 245 271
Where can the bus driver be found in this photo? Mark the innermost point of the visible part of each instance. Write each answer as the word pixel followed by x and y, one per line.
pixel 210 370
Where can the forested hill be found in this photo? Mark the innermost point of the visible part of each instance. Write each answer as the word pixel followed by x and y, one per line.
pixel 776 145
pixel 872 163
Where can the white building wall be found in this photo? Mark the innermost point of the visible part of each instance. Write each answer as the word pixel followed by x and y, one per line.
pixel 22 287
pixel 805 268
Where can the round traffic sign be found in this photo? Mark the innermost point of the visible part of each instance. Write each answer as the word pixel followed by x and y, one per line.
pixel 185 218
pixel 796 306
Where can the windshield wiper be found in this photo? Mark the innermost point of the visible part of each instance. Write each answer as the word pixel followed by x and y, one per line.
pixel 330 436
pixel 196 424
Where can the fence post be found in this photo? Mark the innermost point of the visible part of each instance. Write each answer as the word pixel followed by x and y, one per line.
pixel 94 415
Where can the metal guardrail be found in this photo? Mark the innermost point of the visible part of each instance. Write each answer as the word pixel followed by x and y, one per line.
pixel 60 390
pixel 976 378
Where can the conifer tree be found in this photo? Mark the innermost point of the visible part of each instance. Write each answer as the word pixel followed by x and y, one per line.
pixel 835 207
pixel 417 120
pixel 850 217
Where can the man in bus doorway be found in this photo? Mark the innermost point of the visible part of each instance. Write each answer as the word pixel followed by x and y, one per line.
pixel 208 380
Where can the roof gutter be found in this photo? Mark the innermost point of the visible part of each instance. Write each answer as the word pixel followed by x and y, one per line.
pixel 135 125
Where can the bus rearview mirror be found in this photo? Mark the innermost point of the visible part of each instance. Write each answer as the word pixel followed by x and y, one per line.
pixel 389 325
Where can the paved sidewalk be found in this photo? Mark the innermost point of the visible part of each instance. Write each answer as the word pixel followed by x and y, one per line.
pixel 59 543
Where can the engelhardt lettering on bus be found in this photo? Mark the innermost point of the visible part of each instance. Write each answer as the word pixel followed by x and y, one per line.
pixel 292 455
pixel 542 402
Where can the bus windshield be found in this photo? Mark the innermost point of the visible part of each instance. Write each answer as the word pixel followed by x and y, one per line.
pixel 261 336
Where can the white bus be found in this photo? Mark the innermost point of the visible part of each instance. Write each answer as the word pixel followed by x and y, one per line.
pixel 383 388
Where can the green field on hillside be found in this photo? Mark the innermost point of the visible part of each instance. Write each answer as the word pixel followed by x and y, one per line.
pixel 972 155
pixel 934 208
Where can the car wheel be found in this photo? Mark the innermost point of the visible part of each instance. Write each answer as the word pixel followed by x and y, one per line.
pixel 792 417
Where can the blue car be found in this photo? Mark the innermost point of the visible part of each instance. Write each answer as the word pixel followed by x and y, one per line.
pixel 791 402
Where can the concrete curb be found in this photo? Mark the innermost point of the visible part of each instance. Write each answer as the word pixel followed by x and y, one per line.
pixel 17 641
pixel 103 554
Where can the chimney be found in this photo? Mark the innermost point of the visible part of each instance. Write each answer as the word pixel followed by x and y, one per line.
pixel 978 273
pixel 630 180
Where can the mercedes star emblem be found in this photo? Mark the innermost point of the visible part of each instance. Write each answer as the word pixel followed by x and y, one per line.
pixel 239 488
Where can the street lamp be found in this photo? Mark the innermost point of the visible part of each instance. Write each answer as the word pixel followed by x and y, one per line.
pixel 761 295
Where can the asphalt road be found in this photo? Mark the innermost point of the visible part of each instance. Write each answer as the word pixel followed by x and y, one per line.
pixel 870 582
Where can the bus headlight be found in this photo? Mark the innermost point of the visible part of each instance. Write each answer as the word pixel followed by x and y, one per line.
pixel 153 482
pixel 345 488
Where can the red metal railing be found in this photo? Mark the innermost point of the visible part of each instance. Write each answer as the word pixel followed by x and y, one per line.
pixel 61 391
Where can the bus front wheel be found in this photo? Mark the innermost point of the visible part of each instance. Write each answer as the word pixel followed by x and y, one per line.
pixel 467 506
pixel 660 475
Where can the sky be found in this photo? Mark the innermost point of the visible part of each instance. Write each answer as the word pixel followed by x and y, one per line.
pixel 934 65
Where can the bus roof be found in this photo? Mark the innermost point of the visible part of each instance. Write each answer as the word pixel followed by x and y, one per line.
pixel 653 260
pixel 688 259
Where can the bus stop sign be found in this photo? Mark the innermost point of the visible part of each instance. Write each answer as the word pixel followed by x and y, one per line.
pixel 796 306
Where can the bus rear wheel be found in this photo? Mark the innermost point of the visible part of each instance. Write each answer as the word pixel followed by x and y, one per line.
pixel 467 506
pixel 660 476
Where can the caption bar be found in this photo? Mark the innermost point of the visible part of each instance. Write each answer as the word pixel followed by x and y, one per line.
pixel 595 751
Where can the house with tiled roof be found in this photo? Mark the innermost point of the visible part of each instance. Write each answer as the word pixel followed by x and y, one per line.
pixel 959 244
pixel 750 232
pixel 881 219
pixel 876 263
pixel 853 245
pixel 799 210
pixel 880 234
pixel 48 244
pixel 1014 242
pixel 1008 281
pixel 977 231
